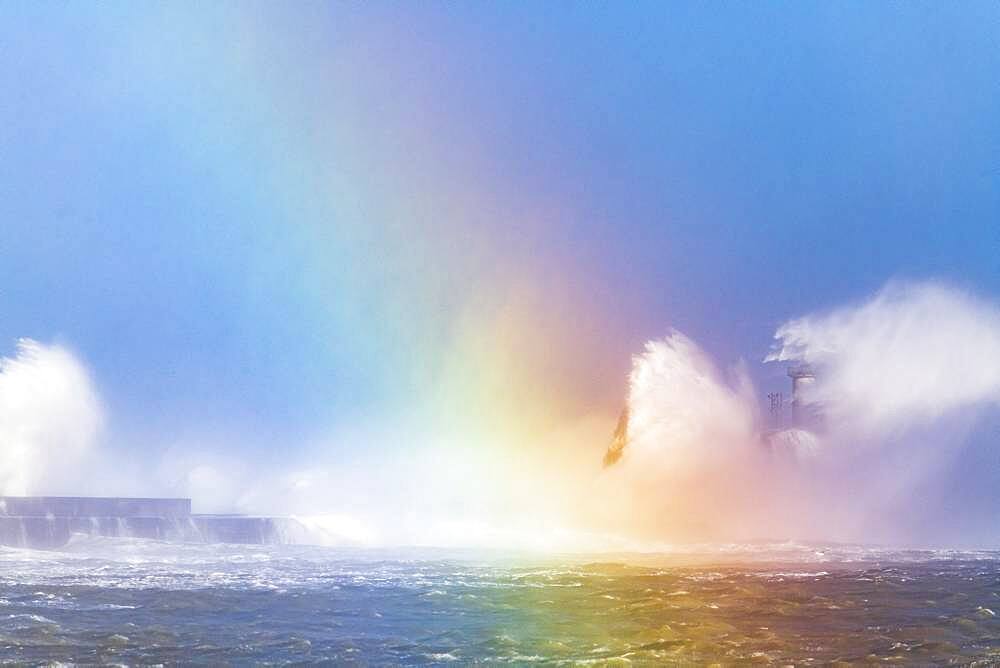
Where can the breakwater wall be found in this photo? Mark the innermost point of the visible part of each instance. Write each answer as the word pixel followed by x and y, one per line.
pixel 48 522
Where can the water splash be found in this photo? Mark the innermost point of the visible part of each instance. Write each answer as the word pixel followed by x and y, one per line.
pixel 680 407
pixel 50 417
pixel 912 354
pixel 900 379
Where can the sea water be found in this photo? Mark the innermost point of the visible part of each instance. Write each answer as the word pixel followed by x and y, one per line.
pixel 133 601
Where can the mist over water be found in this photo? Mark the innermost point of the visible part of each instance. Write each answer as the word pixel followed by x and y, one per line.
pixel 901 380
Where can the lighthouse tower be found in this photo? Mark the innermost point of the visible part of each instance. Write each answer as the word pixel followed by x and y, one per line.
pixel 803 377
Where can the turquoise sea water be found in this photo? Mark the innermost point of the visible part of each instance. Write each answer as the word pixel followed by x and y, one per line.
pixel 145 602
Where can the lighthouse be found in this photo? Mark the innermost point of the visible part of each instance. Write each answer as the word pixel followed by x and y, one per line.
pixel 804 409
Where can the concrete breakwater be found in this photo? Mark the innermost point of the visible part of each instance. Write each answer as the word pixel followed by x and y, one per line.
pixel 48 522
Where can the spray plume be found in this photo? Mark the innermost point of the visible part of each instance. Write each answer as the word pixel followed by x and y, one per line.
pixel 49 419
pixel 911 355
pixel 899 379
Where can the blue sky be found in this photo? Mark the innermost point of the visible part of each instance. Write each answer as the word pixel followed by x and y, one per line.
pixel 177 186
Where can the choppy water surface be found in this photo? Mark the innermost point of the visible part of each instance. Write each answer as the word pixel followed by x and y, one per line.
pixel 146 602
